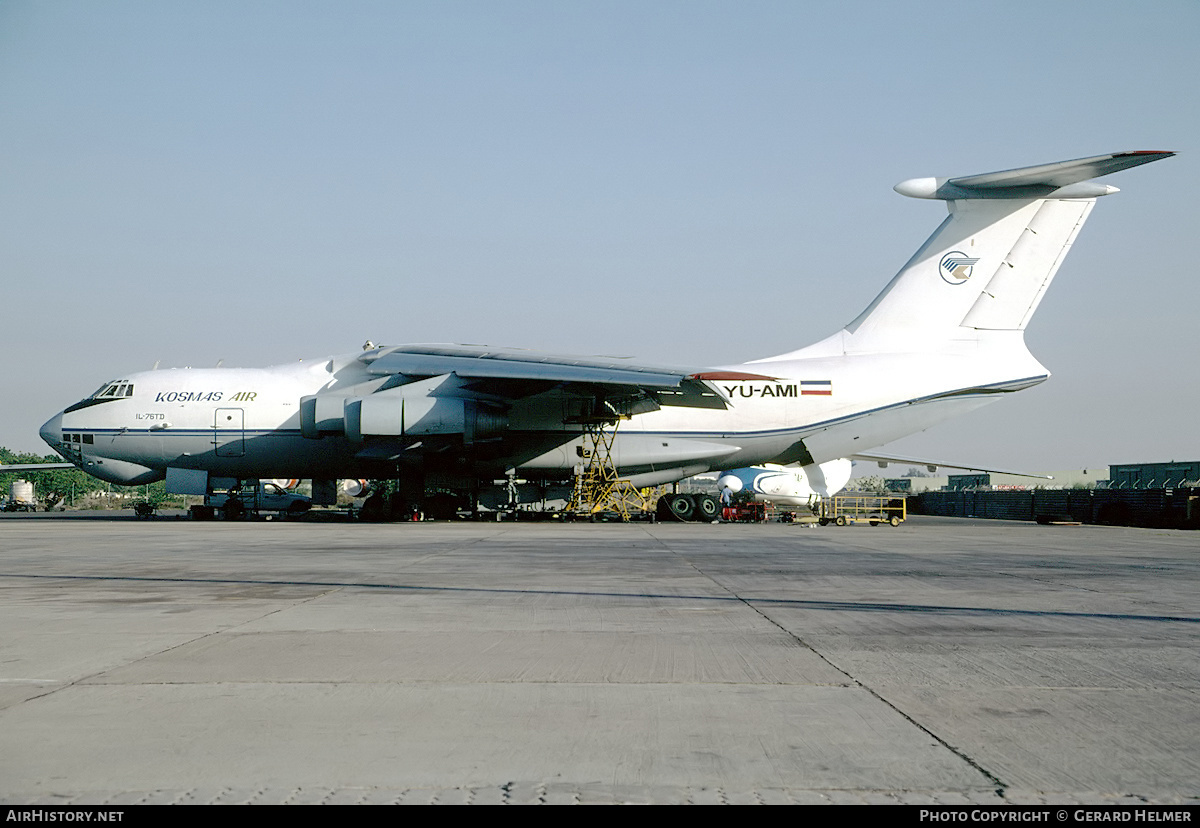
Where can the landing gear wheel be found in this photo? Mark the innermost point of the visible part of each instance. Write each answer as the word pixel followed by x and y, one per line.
pixel 373 508
pixel 677 507
pixel 707 508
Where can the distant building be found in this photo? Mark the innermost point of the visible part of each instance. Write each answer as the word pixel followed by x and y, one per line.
pixel 1069 479
pixel 1154 475
pixel 975 480
pixel 915 485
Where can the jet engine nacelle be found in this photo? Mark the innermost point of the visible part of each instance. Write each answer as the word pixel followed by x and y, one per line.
pixel 408 410
pixel 389 414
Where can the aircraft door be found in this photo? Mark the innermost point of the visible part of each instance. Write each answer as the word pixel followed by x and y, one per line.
pixel 229 433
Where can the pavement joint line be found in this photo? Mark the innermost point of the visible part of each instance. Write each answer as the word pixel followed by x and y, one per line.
pixel 991 777
pixel 269 613
pixel 90 679
pixel 1000 785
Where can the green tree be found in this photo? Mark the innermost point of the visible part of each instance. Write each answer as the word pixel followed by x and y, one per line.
pixel 64 483
pixel 874 483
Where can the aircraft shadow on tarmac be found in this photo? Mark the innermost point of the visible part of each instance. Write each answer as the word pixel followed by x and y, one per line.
pixel 835 606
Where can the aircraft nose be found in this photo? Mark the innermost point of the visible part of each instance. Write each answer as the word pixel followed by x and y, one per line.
pixel 51 431
pixel 731 482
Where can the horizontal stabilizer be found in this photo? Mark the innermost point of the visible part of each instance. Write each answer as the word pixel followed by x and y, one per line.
pixel 1064 179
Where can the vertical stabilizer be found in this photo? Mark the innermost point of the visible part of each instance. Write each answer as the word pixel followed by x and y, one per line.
pixel 988 265
pixel 929 299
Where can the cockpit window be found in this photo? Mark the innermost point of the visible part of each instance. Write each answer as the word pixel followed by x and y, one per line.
pixel 114 389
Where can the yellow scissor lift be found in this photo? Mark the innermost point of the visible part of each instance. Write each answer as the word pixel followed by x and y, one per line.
pixel 844 510
pixel 598 489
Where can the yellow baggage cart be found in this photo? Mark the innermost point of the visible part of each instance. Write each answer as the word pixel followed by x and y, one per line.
pixel 844 510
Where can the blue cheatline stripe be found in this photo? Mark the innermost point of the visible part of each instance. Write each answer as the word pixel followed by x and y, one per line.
pixel 1007 386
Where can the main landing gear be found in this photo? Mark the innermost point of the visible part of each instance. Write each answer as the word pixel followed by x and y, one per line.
pixel 688 507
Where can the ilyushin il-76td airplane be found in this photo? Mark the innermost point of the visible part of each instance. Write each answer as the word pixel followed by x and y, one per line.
pixel 945 336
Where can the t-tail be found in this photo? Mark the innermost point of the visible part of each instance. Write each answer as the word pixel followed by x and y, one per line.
pixel 981 275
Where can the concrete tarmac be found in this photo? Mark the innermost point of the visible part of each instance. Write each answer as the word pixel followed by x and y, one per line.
pixel 945 661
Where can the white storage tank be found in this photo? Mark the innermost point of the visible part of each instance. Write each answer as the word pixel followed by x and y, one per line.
pixel 20 491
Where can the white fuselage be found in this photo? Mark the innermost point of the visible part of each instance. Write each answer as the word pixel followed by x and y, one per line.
pixel 246 423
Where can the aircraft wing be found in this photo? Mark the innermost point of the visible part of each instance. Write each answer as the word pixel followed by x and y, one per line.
pixel 511 373
pixel 931 465
pixel 18 467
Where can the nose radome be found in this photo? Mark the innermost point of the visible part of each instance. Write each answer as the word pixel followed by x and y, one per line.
pixel 51 431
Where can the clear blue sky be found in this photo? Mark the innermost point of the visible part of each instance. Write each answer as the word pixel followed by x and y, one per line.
pixel 687 182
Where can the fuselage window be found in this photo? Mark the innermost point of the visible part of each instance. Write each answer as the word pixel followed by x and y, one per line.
pixel 90 439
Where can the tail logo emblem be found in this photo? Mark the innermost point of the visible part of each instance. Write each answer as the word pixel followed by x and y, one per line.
pixel 956 267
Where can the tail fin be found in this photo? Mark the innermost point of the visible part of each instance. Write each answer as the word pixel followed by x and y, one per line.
pixel 988 265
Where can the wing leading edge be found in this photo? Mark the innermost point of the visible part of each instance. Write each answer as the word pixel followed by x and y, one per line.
pixel 932 465
pixel 31 467
pixel 509 372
